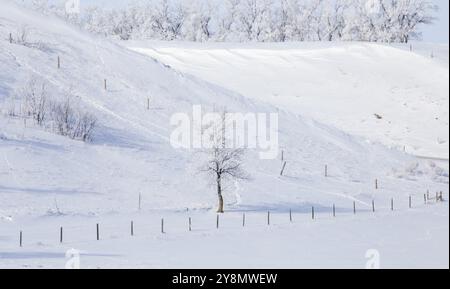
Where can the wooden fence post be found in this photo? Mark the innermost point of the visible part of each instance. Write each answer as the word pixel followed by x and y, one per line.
pixel 162 226
pixel 354 207
pixel 283 168
pixel 410 202
pixel 98 232
pixel 105 84
pixel 10 38
pixel 59 62
pixel 20 239
pixel 268 218
pixel 190 224
pixel 392 204
pixel 140 201
pixel 243 220
pixel 376 184
pixel 61 235
pixel 217 221
pixel 290 215
pixel 326 170
pixel 313 214
pixel 334 211
pixel 132 228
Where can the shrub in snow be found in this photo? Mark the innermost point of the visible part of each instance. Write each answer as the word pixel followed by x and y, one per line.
pixel 72 122
pixel 66 118
pixel 22 35
pixel 417 169
pixel 11 107
pixel 30 101
pixel 36 101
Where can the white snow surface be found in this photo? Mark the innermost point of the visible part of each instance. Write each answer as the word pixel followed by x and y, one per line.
pixel 340 84
pixel 48 181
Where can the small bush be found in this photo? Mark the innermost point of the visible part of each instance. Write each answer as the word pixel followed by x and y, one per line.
pixel 72 122
pixel 22 35
pixel 35 96
pixel 66 118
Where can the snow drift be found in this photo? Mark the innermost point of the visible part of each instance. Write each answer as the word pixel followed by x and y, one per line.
pixel 381 92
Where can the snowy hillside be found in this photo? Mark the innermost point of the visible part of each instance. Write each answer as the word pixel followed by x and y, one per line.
pixel 48 180
pixel 344 85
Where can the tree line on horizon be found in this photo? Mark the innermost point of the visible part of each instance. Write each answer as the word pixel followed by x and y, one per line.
pixel 255 20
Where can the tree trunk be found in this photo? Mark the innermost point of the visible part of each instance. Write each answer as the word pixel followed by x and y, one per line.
pixel 220 210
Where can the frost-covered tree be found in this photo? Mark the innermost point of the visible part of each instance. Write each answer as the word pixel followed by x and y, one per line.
pixel 167 19
pixel 197 21
pixel 333 20
pixel 390 20
pixel 255 20
pixel 224 162
pixel 409 15
pixel 226 19
pixel 34 96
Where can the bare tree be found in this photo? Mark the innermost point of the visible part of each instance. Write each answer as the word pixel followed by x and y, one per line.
pixel 223 163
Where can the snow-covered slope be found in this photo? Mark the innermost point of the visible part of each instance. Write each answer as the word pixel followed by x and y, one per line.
pixel 341 84
pixel 46 179
pixel 131 152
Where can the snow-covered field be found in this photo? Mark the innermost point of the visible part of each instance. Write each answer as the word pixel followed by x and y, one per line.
pixel 48 181
pixel 416 238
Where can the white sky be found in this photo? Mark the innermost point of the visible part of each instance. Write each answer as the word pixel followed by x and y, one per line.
pixel 439 31
pixel 431 33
